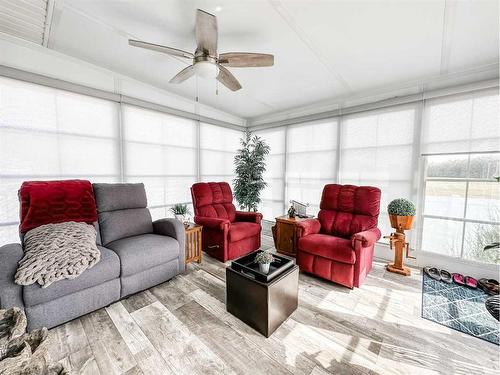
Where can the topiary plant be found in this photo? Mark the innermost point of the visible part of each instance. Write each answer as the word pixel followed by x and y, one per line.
pixel 401 207
pixel 264 257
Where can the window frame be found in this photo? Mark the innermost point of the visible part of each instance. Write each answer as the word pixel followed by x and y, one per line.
pixel 463 219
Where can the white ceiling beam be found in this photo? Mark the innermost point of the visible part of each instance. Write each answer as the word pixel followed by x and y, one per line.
pixel 449 11
pixel 284 13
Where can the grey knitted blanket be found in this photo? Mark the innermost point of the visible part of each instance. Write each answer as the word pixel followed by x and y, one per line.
pixel 55 252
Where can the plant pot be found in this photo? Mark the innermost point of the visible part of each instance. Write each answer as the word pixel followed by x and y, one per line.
pixel 401 222
pixel 264 267
pixel 179 217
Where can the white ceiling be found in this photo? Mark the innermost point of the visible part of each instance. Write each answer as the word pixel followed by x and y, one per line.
pixel 323 49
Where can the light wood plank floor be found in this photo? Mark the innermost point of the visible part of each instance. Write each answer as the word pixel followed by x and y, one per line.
pixel 182 327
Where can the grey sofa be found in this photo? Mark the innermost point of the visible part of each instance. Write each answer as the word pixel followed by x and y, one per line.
pixel 136 254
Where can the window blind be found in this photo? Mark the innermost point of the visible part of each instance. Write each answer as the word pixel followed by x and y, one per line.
pixel 377 149
pixel 311 161
pixel 160 150
pixel 49 134
pixel 218 147
pixel 272 197
pixel 462 123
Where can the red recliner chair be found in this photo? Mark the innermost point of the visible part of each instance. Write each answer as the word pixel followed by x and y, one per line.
pixel 338 246
pixel 227 233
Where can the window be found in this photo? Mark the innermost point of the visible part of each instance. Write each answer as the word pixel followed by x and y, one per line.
pixel 49 134
pixel 461 139
pixel 160 150
pixel 273 200
pixel 311 161
pixel 377 149
pixel 462 206
pixel 218 147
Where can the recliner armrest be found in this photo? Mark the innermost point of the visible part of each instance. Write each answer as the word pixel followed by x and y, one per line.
pixel 11 294
pixel 254 217
pixel 309 226
pixel 175 229
pixel 212 222
pixel 366 238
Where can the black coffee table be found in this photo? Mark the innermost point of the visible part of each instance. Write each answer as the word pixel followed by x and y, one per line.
pixel 263 305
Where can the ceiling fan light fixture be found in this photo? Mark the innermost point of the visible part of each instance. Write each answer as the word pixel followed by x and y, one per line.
pixel 205 69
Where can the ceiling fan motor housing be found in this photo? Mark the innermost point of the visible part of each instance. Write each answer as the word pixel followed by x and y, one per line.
pixel 206 66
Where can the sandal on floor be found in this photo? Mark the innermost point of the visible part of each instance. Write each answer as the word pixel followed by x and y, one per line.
pixel 470 282
pixel 493 306
pixel 446 276
pixel 433 273
pixel 490 286
pixel 458 279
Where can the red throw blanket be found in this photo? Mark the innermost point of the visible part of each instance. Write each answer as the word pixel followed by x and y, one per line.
pixel 51 202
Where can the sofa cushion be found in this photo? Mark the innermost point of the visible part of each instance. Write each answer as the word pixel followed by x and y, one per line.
pixel 122 196
pixel 143 252
pixel 51 202
pixel 243 229
pixel 330 247
pixel 107 268
pixel 115 225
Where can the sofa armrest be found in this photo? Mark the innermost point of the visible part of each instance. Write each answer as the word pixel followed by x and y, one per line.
pixel 212 222
pixel 11 294
pixel 366 238
pixel 175 229
pixel 309 226
pixel 254 217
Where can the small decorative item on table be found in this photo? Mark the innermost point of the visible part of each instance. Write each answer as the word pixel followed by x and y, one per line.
pixel 264 259
pixel 193 242
pixel 291 212
pixel 181 212
pixel 401 213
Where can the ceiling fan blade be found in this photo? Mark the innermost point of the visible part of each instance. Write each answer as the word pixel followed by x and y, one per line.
pixel 206 33
pixel 160 48
pixel 183 75
pixel 245 59
pixel 227 79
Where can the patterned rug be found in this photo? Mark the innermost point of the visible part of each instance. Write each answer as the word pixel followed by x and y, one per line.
pixel 459 308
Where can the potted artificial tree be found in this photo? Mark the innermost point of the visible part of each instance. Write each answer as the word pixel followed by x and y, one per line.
pixel 180 212
pixel 401 213
pixel 264 260
pixel 250 165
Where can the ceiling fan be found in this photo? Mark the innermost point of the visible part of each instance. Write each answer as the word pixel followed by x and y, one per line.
pixel 206 62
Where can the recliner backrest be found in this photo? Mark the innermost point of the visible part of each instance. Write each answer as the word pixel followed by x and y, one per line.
pixel 348 209
pixel 213 199
pixel 122 211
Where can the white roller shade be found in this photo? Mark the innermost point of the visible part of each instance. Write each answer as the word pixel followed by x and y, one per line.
pixel 272 197
pixel 160 151
pixel 218 147
pixel 462 123
pixel 48 134
pixel 378 150
pixel 311 161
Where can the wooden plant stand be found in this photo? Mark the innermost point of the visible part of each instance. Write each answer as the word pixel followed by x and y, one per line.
pixel 397 241
pixel 193 243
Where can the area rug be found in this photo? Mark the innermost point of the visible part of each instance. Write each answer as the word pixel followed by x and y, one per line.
pixel 459 308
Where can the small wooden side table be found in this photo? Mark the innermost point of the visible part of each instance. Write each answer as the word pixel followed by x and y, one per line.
pixel 285 234
pixel 193 242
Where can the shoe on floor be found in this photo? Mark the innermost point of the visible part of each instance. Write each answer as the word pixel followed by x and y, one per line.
pixel 433 273
pixel 493 306
pixel 470 282
pixel 446 276
pixel 458 279
pixel 490 286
